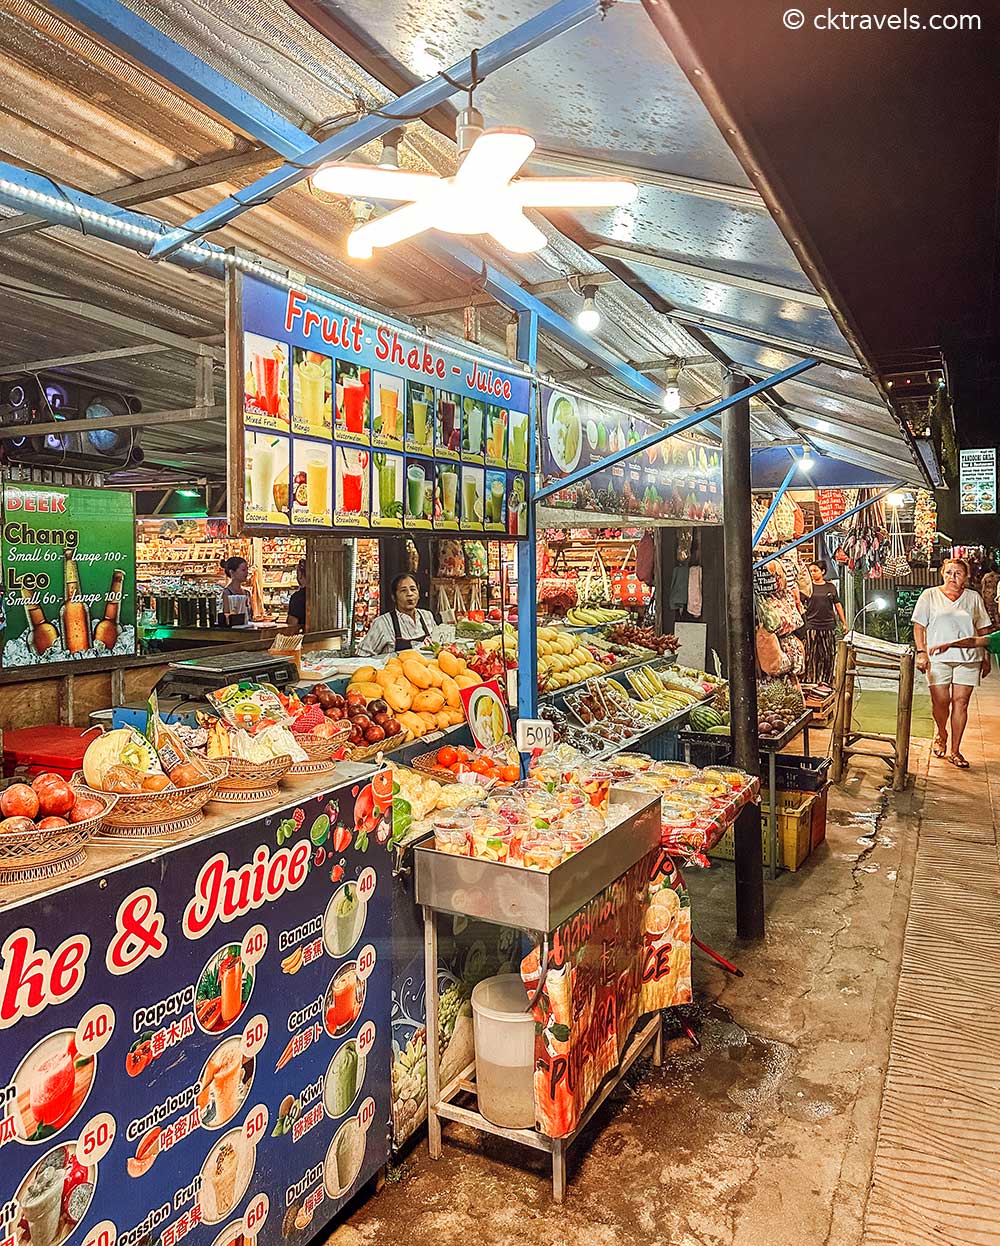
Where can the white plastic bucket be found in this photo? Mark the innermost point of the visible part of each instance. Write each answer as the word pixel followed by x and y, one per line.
pixel 504 1032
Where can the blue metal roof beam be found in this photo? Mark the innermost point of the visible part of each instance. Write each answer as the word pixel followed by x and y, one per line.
pixel 127 34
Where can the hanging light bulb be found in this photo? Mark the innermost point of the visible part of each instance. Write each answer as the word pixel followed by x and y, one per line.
pixel 806 463
pixel 588 317
pixel 672 391
pixel 390 149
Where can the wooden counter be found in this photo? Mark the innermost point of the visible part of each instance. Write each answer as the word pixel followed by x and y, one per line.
pixel 108 853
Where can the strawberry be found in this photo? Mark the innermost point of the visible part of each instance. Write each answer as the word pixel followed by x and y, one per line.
pixel 308 720
pixel 341 839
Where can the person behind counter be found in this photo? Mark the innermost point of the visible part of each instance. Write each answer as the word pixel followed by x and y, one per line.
pixel 403 627
pixel 295 621
pixel 235 599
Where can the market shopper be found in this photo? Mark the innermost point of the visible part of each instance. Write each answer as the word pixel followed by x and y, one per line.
pixel 943 621
pixel 295 620
pixel 821 611
pixel 235 600
pixel 405 626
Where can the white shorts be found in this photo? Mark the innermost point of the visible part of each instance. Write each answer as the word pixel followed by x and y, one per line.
pixel 946 673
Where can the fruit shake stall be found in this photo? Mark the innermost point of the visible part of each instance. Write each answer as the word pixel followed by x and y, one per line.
pixel 194 959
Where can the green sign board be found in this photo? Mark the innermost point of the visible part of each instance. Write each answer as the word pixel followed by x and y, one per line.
pixel 68 561
pixel 906 601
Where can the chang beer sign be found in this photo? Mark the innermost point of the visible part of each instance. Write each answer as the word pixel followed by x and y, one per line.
pixel 68 561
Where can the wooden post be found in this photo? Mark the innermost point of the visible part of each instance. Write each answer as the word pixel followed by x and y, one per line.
pixel 904 712
pixel 326 605
pixel 840 688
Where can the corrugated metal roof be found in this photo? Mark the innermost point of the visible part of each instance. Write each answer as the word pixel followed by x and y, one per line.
pixel 75 109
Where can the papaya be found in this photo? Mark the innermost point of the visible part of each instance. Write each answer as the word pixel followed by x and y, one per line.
pixel 370 692
pixel 468 680
pixel 398 696
pixel 363 675
pixel 416 673
pixel 450 664
pixel 429 701
pixel 452 692
pixel 411 655
pixel 443 719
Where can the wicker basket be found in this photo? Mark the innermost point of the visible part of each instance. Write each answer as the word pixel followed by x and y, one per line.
pixel 173 809
pixel 41 854
pixel 426 763
pixel 322 748
pixel 370 751
pixel 248 780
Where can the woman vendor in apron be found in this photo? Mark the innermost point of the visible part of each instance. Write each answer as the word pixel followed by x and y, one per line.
pixel 403 627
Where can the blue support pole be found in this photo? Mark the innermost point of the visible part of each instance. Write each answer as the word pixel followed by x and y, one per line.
pixel 662 434
pixel 560 17
pixel 787 549
pixel 527 564
pixel 782 488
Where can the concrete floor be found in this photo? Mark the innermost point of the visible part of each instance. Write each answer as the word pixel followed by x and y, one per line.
pixel 764 1135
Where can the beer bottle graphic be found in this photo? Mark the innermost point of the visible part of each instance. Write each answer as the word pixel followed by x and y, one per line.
pixel 74 617
pixel 106 631
pixel 43 633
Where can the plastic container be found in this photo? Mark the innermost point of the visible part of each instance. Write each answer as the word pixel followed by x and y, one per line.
pixel 504 1035
pixel 31 751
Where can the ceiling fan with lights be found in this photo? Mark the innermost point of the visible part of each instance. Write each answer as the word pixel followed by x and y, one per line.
pixel 484 196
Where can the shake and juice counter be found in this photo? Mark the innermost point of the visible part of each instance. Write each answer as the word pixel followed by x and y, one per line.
pixel 213 947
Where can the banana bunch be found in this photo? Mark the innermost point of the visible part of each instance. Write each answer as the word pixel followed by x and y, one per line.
pixel 649 687
pixel 563 660
pixel 594 616
pixel 293 962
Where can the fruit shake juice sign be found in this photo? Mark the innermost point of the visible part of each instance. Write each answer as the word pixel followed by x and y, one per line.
pixel 67 557
pixel 205 1045
pixel 679 480
pixel 307 371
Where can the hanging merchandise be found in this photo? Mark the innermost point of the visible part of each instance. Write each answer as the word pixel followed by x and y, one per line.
pixel 594 584
pixel 924 527
pixel 645 559
pixel 866 541
pixel 476 563
pixel 832 503
pixel 795 651
pixel 557 590
pixel 451 559
pixel 896 564
pixel 626 588
pixel 771 658
pixel 802 578
pixel 694 593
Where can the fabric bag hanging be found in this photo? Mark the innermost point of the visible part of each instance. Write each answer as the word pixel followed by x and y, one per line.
pixel 594 584
pixel 897 563
pixel 770 657
pixel 832 503
pixel 626 588
pixel 445 606
pixel 645 559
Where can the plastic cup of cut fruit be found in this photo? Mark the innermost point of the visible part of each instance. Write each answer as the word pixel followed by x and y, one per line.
pixel 453 834
pixel 597 785
pixel 542 851
pixel 574 839
pixel 571 796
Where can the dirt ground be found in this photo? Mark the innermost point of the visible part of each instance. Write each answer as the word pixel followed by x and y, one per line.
pixel 762 1136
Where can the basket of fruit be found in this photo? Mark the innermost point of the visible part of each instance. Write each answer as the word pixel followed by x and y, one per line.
pixel 150 798
pixel 46 826
pixel 448 762
pixel 373 727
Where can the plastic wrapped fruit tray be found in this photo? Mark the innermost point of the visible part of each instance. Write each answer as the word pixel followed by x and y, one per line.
pixel 137 814
pixel 30 856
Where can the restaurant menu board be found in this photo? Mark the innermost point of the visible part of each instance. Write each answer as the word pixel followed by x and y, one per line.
pixel 676 480
pixel 345 423
pixel 200 1044
pixel 68 563
pixel 978 481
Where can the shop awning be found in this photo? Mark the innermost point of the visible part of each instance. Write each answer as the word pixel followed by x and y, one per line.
pixel 768 469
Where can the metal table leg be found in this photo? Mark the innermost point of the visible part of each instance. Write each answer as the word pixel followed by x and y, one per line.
pixel 773 797
pixel 433 1068
pixel 805 741
pixel 558 1170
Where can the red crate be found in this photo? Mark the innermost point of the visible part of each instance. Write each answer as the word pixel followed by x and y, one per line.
pixel 31 751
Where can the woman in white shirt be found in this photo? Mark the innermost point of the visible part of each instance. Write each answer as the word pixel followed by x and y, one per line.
pixel 940 616
pixel 404 627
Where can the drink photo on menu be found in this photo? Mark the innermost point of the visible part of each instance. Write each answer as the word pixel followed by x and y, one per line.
pixel 352 414
pixel 419 417
pixel 472 506
pixel 387 411
pixel 517 507
pixel 495 431
pixel 517 440
pixel 312 393
pixel 266 478
pixel 353 473
pixel 312 498
pixel 387 489
pixel 419 492
pixel 473 430
pixel 448 497
pixel 265 383
pixel 448 434
pixel 496 501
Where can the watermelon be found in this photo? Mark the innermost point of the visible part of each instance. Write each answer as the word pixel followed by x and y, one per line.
pixel 703 718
